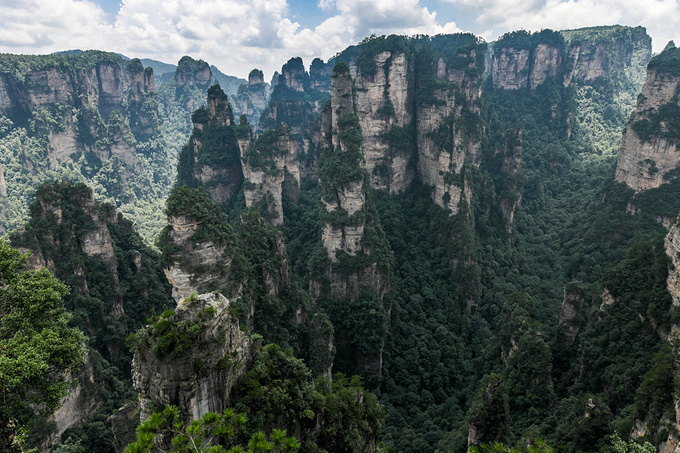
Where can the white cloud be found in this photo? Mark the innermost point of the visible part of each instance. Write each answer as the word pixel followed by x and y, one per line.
pixel 32 26
pixel 660 17
pixel 238 35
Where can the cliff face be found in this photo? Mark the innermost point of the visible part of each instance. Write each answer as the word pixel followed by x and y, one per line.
pixel 649 149
pixel 213 260
pixel 212 157
pixel 197 372
pixel 449 130
pixel 521 60
pixel 91 117
pixel 356 270
pixel 251 99
pixel 511 196
pixel 295 100
pixel 115 280
pixel 384 105
pixel 571 317
pixel 192 72
pixel 271 170
pixel 96 85
pixel 92 237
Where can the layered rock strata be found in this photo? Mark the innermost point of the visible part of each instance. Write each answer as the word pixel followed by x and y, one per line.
pixel 649 149
pixel 199 379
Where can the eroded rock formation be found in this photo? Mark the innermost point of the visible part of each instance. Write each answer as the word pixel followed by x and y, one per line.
pixel 649 149
pixel 198 371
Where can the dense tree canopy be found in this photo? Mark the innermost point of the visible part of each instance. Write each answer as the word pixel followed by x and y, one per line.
pixel 37 348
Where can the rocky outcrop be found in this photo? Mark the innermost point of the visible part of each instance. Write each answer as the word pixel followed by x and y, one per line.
pixel 510 68
pixel 346 197
pixel 251 99
pixel 212 157
pixel 79 404
pixel 511 195
pixel 649 149
pixel 608 52
pixel 356 270
pixel 672 247
pixel 197 372
pixel 272 171
pixel 320 76
pixel 488 421
pixel 547 61
pixel 449 130
pixel 142 102
pixel 192 72
pixel 571 317
pixel 202 265
pixel 93 84
pixel 124 424
pixel 295 101
pixel 59 204
pixel 522 60
pixel 384 105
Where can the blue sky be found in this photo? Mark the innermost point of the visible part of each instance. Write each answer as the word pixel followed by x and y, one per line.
pixel 239 35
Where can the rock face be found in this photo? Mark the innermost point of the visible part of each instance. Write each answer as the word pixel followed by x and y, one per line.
pixel 56 204
pixel 212 157
pixel 510 68
pixel 195 374
pixel 448 129
pixel 384 105
pixel 99 85
pixel 143 122
pixel 604 52
pixel 78 405
pixel 347 219
pixel 511 165
pixel 213 259
pixel 192 72
pixel 271 170
pixel 672 246
pixel 295 100
pixel 98 254
pixel 521 60
pixel 649 149
pixel 571 317
pixel 251 99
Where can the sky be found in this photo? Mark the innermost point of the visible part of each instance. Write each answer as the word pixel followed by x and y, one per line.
pixel 240 35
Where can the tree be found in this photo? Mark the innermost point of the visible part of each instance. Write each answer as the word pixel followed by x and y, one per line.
pixel 631 446
pixel 37 348
pixel 212 433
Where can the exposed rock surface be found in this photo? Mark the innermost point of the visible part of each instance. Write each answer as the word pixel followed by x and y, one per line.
pixel 672 246
pixel 384 100
pixel 100 84
pixel 649 149
pixel 347 218
pixel 511 195
pixel 212 157
pixel 251 99
pixel 199 379
pixel 78 405
pixel 213 260
pixel 571 317
pixel 295 100
pixel 445 146
pixel 271 169
pixel 193 72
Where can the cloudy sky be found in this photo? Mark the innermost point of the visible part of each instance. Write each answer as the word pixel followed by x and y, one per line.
pixel 239 35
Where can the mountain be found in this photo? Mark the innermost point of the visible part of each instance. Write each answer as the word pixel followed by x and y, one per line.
pixel 460 224
pixel 228 83
pixel 162 71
